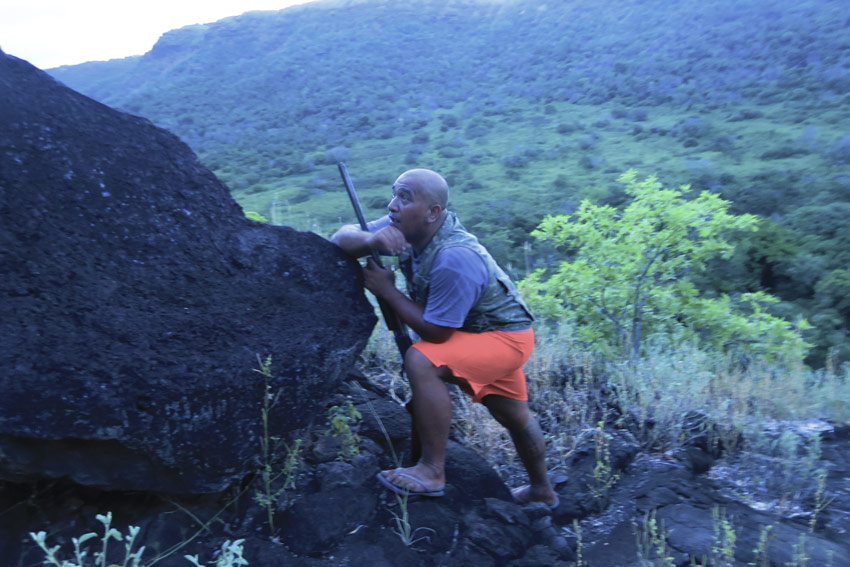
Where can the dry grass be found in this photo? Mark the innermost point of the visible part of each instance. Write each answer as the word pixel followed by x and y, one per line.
pixel 656 396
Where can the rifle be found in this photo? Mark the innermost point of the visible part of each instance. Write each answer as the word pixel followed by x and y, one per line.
pixel 394 322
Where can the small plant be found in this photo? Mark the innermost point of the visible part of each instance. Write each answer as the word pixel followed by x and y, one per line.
pixel 577 530
pixel 230 555
pixel 402 528
pixel 131 558
pixel 799 556
pixel 723 549
pixel 604 477
pixel 820 501
pixel 255 216
pixel 270 445
pixel 342 419
pixel 761 558
pixel 652 543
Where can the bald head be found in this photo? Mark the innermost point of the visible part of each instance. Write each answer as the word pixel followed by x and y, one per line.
pixel 429 185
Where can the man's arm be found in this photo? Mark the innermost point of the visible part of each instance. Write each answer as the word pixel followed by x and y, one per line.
pixel 353 240
pixel 381 282
pixel 358 243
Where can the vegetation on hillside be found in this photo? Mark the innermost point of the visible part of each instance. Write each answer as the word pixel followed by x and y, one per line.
pixel 529 108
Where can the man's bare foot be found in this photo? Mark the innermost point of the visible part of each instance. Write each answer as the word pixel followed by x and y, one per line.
pixel 419 479
pixel 528 494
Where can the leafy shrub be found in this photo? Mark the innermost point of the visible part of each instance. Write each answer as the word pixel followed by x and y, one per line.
pixel 629 276
pixel 566 128
pixel 746 114
pixel 520 157
pixel 450 152
pixel 476 131
pixel 561 182
pixel 784 152
pixel 724 144
pixel 336 154
pixel 586 142
pixel 638 115
pixel 588 161
pixel 415 149
pixel 447 121
pixel 377 202
pixel 693 127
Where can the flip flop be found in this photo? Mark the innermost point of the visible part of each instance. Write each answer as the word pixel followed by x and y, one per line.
pixel 389 485
pixel 521 502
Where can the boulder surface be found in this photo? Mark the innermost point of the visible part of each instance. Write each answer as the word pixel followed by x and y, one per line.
pixel 136 299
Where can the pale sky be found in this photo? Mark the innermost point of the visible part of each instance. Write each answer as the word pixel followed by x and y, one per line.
pixel 50 33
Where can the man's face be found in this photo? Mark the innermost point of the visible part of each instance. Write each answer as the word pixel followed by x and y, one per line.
pixel 409 210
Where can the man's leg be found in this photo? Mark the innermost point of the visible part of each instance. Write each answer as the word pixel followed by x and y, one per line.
pixel 530 445
pixel 415 444
pixel 432 415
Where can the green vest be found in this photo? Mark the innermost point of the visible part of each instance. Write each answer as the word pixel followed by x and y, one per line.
pixel 500 308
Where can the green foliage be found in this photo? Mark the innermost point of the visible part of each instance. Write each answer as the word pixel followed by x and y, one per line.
pixel 403 528
pixel 723 548
pixel 342 419
pixel 255 216
pixel 604 477
pixel 131 558
pixel 651 540
pixel 761 558
pixel 270 445
pixel 630 275
pixel 230 555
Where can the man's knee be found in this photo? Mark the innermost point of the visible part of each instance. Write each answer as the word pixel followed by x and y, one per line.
pixel 417 364
pixel 415 361
pixel 510 413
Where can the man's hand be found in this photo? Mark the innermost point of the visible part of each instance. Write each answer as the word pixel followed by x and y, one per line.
pixel 381 282
pixel 378 280
pixel 388 240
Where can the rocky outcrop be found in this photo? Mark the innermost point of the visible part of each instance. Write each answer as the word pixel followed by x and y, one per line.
pixel 136 298
pixel 331 512
pixel 334 512
pixel 705 517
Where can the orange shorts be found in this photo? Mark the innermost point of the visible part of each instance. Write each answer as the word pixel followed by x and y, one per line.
pixel 484 363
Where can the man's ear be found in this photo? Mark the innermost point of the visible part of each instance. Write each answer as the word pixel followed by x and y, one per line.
pixel 434 212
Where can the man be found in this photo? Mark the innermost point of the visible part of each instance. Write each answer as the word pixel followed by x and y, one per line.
pixel 475 330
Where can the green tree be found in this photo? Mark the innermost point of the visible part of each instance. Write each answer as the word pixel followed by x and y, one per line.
pixel 629 275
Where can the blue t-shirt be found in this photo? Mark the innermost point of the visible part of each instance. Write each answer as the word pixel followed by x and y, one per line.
pixel 459 278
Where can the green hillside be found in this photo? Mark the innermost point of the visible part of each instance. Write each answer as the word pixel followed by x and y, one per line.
pixel 528 108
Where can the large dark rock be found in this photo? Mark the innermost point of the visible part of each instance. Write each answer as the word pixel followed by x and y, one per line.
pixel 135 298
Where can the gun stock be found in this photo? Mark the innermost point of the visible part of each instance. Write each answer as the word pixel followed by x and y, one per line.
pixel 393 321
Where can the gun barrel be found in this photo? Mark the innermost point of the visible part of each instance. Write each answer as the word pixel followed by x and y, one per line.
pixel 394 322
pixel 355 202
